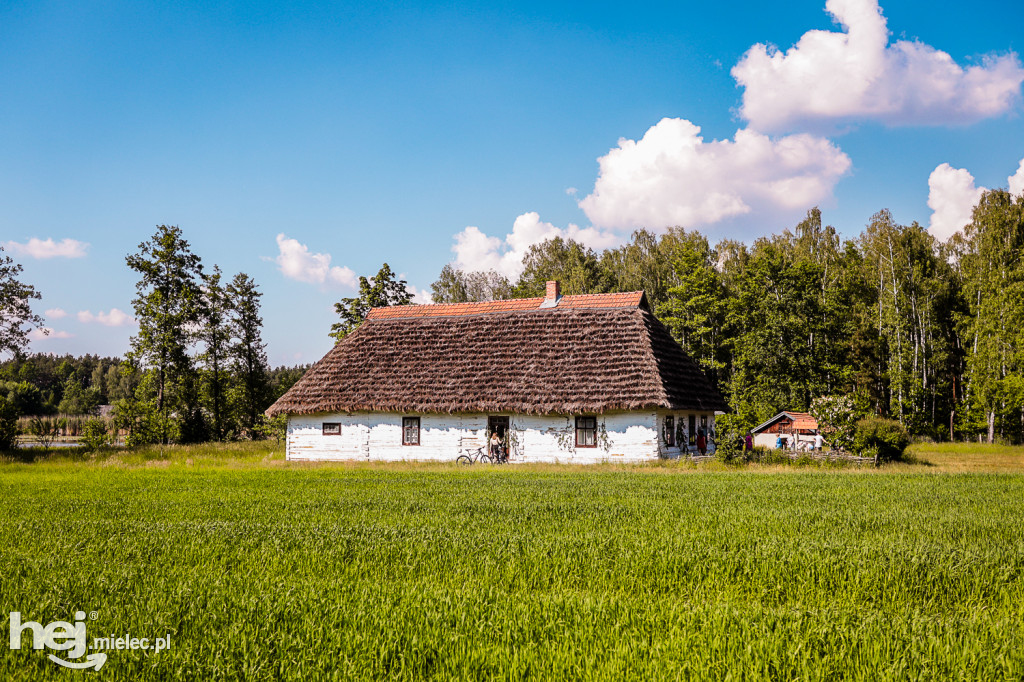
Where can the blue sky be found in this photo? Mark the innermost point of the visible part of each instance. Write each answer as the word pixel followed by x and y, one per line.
pixel 278 135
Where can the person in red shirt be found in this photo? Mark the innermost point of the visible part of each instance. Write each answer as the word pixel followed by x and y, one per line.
pixel 702 442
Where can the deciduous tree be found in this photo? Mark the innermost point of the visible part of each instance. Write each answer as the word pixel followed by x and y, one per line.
pixel 384 289
pixel 16 316
pixel 992 274
pixel 168 307
pixel 576 267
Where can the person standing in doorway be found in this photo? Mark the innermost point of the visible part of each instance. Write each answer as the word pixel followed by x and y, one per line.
pixel 702 443
pixel 495 447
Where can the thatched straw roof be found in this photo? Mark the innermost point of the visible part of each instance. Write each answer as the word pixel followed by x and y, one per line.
pixel 589 354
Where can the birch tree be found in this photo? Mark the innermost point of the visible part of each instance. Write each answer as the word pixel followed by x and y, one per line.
pixel 993 279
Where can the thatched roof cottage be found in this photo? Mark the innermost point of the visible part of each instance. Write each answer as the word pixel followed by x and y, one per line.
pixel 560 378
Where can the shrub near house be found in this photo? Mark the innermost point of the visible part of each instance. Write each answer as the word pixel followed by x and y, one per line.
pixel 883 439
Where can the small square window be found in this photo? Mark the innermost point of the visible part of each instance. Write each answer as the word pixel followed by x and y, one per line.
pixel 586 432
pixel 410 431
pixel 670 431
pixel 331 429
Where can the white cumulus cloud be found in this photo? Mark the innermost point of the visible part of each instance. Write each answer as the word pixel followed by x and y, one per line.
pixel 478 252
pixel 419 296
pixel 55 313
pixel 296 262
pixel 671 176
pixel 115 318
pixel 47 248
pixel 1016 181
pixel 857 74
pixel 47 333
pixel 953 194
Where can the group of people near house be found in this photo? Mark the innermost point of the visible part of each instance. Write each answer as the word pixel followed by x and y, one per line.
pixel 700 442
pixel 790 442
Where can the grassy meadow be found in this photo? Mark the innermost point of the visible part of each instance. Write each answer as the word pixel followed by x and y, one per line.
pixel 263 569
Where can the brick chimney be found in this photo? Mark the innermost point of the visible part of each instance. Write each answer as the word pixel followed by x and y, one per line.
pixel 552 294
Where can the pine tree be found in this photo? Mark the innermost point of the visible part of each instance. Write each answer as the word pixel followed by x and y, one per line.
pixel 215 335
pixel 248 352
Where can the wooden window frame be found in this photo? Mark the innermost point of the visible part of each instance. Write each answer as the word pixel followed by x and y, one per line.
pixel 669 427
pixel 325 432
pixel 579 428
pixel 406 424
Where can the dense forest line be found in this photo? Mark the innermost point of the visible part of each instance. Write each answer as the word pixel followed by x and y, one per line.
pixel 48 384
pixel 912 329
pixel 923 332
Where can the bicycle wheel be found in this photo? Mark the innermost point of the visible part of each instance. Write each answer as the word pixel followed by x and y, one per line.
pixel 485 459
pixel 463 459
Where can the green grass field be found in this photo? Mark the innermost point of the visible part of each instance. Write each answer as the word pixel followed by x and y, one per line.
pixel 262 569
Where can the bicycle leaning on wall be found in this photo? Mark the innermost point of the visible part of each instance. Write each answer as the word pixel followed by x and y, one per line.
pixel 474 456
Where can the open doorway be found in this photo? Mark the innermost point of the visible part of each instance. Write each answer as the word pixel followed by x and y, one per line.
pixel 499 425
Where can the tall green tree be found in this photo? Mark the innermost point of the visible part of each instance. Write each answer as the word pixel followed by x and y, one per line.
pixel 120 384
pixel 787 317
pixel 695 304
pixel 641 264
pixel 915 299
pixel 248 352
pixel 16 316
pixel 168 307
pixel 456 286
pixel 487 286
pixel 382 290
pixel 78 399
pixel 8 424
pixel 771 302
pixel 450 286
pixel 991 269
pixel 576 267
pixel 215 335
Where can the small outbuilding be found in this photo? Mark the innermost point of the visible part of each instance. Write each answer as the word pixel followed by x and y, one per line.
pixel 794 427
pixel 562 378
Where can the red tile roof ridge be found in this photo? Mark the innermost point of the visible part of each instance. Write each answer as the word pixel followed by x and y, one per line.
pixel 630 299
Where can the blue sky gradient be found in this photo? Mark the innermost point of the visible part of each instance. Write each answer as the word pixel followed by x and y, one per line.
pixel 378 131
